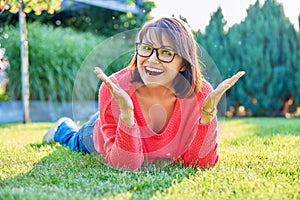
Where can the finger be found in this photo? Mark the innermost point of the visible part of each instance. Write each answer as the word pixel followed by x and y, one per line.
pixel 236 77
pixel 241 73
pixel 225 85
pixel 228 83
pixel 214 97
pixel 101 75
pixel 114 80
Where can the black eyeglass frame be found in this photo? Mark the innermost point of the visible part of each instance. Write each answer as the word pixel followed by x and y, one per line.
pixel 156 51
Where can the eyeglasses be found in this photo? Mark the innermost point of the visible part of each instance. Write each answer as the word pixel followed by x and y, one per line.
pixel 146 50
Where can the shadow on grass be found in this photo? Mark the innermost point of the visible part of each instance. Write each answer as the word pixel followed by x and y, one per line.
pixel 64 174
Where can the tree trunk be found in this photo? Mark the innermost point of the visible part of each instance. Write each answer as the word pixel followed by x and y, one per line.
pixel 24 61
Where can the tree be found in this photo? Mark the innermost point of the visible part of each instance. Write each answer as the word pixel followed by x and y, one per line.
pixel 23 7
pixel 214 53
pixel 265 45
pixel 87 16
pixel 214 41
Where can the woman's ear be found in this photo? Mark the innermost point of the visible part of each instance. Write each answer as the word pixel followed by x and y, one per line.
pixel 183 68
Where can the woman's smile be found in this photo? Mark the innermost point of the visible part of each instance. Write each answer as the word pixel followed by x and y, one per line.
pixel 153 71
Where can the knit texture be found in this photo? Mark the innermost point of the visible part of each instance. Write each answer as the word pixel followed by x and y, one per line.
pixel 183 139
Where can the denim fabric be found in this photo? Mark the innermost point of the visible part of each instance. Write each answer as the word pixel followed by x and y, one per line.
pixel 86 133
pixel 77 138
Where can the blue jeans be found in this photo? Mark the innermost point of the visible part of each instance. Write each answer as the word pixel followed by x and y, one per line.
pixel 77 138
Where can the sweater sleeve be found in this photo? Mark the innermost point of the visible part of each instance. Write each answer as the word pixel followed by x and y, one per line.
pixel 119 143
pixel 203 149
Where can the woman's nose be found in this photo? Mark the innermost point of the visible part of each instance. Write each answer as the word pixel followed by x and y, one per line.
pixel 153 58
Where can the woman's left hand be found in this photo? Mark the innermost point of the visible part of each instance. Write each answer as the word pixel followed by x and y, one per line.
pixel 209 108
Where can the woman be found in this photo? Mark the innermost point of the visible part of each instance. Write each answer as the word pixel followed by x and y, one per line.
pixel 159 107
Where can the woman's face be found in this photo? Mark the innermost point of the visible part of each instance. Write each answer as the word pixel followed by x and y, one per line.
pixel 153 71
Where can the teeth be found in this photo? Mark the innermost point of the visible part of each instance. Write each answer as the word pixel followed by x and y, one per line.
pixel 154 70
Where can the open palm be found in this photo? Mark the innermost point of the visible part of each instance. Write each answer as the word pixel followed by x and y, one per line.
pixel 210 103
pixel 122 98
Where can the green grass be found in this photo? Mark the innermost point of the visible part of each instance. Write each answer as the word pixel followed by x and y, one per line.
pixel 259 159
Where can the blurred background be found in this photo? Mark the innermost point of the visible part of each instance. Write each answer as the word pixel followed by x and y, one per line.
pixel 46 43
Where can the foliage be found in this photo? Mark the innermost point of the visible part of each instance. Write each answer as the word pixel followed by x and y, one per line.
pixel 73 49
pixel 55 56
pixel 3 60
pixel 93 19
pixel 267 49
pixel 215 43
pixel 100 20
pixel 259 159
pixel 265 45
pixel 36 6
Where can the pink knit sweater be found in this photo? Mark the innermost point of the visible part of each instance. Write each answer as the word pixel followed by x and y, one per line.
pixel 129 147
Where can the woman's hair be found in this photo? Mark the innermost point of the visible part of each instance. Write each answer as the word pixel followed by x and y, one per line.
pixel 189 81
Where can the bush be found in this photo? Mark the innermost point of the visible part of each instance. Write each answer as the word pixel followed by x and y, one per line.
pixel 87 18
pixel 55 56
pixel 267 49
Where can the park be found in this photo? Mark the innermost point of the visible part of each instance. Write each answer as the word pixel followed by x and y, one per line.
pixel 258 119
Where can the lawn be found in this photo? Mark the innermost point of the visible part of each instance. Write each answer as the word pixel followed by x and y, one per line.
pixel 259 159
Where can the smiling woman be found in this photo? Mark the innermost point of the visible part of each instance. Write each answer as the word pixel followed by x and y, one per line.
pixel 158 108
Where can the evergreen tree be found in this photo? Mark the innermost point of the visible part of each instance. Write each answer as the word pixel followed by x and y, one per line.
pixel 213 44
pixel 265 46
pixel 214 50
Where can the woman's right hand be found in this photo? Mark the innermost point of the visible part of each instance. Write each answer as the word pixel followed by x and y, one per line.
pixel 122 98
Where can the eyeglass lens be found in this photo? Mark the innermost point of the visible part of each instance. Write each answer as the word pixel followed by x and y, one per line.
pixel 164 55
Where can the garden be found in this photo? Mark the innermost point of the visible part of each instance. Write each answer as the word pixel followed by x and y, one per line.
pixel 258 132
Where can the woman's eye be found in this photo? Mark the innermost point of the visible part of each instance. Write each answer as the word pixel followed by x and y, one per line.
pixel 167 52
pixel 147 48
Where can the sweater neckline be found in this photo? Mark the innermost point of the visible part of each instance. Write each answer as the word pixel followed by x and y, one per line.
pixel 171 123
